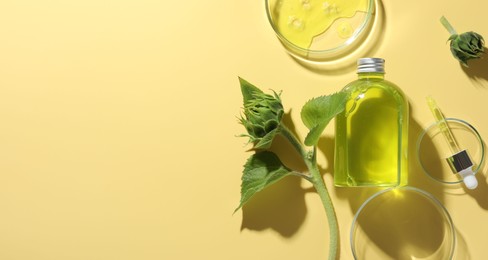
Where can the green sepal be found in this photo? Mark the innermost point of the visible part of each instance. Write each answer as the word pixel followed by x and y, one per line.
pixel 265 142
pixel 261 170
pixel 248 90
pixel 452 37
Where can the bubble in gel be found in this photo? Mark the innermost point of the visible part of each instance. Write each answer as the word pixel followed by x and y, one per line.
pixel 330 8
pixel 295 22
pixel 306 4
pixel 291 18
pixel 325 6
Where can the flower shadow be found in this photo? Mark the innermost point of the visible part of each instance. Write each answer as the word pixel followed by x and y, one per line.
pixel 281 206
pixel 477 71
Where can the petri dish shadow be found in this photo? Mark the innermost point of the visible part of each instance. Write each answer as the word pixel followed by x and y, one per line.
pixel 402 223
pixel 462 250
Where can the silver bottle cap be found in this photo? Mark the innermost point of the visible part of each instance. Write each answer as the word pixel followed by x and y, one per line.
pixel 371 65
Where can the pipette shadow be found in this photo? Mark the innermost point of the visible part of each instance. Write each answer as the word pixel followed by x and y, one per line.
pixel 481 192
pixel 280 207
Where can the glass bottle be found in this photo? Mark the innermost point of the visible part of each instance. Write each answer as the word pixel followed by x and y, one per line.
pixel 371 145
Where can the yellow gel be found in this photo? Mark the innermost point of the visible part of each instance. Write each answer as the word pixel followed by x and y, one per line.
pixel 299 21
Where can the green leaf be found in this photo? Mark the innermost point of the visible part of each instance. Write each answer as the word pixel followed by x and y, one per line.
pixel 260 171
pixel 317 113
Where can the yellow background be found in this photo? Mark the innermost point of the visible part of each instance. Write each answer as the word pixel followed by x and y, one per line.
pixel 118 124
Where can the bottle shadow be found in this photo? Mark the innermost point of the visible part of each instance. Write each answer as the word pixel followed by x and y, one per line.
pixel 417 176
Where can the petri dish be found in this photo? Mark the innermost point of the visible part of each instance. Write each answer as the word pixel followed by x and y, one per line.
pixel 432 150
pixel 320 30
pixel 402 223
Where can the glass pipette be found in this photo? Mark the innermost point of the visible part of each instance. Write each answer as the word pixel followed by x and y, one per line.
pixel 459 161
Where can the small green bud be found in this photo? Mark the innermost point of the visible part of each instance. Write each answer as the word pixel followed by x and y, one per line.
pixel 465 46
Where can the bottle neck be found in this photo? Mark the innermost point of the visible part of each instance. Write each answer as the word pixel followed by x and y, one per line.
pixel 371 75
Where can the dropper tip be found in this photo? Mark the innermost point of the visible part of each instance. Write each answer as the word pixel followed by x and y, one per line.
pixel 470 182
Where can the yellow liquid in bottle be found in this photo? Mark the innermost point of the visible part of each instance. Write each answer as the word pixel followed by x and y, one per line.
pixel 371 138
pixel 299 21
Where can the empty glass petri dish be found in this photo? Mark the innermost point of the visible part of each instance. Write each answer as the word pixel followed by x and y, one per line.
pixel 432 150
pixel 320 30
pixel 402 223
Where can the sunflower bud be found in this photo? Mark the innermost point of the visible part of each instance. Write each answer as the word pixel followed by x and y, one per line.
pixel 262 115
pixel 465 46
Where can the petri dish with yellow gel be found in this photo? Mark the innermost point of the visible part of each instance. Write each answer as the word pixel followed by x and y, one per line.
pixel 402 223
pixel 320 29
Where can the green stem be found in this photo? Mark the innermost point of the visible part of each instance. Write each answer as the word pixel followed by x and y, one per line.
pixel 293 140
pixel 318 183
pixel 448 26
